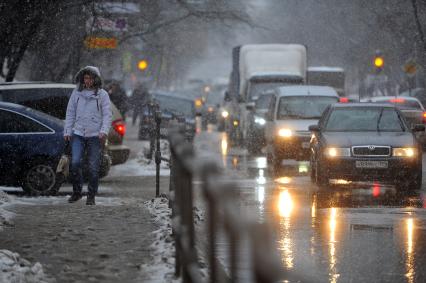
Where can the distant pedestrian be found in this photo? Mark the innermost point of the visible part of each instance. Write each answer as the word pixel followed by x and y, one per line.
pixel 139 100
pixel 87 123
pixel 118 97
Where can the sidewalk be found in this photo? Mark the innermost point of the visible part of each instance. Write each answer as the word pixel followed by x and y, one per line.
pixel 125 237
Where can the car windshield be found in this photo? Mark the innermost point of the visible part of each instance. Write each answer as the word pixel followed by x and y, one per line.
pixel 303 107
pixel 176 105
pixel 364 119
pixel 256 88
pixel 263 101
pixel 401 103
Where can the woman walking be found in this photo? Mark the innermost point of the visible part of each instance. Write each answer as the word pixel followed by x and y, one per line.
pixel 87 123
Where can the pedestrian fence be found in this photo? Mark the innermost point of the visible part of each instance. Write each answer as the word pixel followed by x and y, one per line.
pixel 223 219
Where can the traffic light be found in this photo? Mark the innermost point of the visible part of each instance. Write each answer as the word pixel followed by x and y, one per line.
pixel 142 65
pixel 379 61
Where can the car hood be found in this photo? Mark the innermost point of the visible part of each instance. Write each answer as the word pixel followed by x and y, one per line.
pixel 347 139
pixel 296 125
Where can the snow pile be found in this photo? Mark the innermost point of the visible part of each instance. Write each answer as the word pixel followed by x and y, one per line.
pixel 141 165
pixel 15 269
pixel 5 216
pixel 161 267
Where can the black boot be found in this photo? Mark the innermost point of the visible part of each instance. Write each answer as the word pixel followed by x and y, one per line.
pixel 74 197
pixel 90 199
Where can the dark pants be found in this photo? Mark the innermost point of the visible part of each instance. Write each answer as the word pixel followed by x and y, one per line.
pixel 92 146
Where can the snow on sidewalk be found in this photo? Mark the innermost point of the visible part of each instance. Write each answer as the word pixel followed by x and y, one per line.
pixel 141 166
pixel 5 216
pixel 161 267
pixel 15 269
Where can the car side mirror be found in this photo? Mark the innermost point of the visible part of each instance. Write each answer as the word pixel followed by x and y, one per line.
pixel 227 97
pixel 250 106
pixel 314 128
pixel 418 128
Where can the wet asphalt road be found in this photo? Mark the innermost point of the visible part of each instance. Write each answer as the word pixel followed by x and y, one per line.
pixel 352 233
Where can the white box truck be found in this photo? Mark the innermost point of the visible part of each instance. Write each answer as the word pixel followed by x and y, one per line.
pixel 259 67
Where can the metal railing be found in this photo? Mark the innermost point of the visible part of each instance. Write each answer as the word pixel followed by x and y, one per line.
pixel 223 216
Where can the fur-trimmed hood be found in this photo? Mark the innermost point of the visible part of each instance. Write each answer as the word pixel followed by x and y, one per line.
pixel 92 70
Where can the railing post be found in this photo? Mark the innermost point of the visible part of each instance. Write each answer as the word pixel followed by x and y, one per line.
pixel 212 218
pixel 157 152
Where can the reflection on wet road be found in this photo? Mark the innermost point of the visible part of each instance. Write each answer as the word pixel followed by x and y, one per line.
pixel 359 232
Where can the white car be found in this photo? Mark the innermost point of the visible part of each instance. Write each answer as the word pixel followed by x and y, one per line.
pixel 292 110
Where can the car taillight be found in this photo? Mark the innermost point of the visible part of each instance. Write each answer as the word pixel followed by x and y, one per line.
pixel 344 100
pixel 424 117
pixel 119 126
pixel 397 100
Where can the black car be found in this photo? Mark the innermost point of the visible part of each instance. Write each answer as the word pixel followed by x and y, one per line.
pixel 173 107
pixel 366 142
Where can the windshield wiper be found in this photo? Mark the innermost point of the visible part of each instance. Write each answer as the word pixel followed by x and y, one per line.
pixel 378 120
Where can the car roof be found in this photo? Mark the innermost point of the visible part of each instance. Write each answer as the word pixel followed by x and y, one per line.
pixel 12 106
pixel 303 90
pixel 383 98
pixel 362 105
pixel 30 85
pixel 170 94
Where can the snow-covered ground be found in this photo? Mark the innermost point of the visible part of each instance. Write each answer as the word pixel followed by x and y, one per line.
pixel 5 216
pixel 161 268
pixel 141 166
pixel 14 268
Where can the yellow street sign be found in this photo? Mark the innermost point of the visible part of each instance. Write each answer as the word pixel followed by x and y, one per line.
pixel 93 42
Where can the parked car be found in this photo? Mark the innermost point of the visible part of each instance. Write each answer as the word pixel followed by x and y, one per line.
pixel 52 98
pixel 366 142
pixel 292 109
pixel 411 108
pixel 32 143
pixel 173 108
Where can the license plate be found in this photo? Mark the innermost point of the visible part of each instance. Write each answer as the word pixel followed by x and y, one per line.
pixel 306 144
pixel 371 164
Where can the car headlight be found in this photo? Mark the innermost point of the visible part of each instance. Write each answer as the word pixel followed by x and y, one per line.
pixel 285 133
pixel 259 120
pixel 404 152
pixel 225 114
pixel 337 152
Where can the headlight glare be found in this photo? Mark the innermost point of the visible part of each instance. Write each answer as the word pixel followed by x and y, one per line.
pixel 404 152
pixel 259 120
pixel 338 152
pixel 225 114
pixel 285 133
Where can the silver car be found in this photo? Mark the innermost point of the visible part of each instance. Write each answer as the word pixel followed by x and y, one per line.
pixel 292 110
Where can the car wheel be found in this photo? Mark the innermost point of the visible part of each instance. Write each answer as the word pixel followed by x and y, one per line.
pixel 41 179
pixel 253 146
pixel 105 165
pixel 413 183
pixel 321 177
pixel 313 171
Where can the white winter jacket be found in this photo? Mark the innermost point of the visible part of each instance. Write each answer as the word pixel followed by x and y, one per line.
pixel 88 114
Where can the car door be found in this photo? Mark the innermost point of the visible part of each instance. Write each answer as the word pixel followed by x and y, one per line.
pixel 20 137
